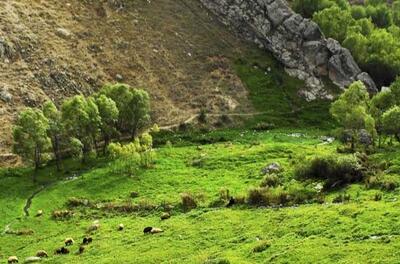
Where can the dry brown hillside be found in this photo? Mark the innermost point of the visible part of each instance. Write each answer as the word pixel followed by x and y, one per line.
pixel 172 48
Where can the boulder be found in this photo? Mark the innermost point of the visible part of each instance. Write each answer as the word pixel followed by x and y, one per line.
pixel 63 33
pixel 298 43
pixel 5 95
pixel 271 168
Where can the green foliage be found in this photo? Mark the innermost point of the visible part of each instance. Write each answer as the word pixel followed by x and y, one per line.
pixel 351 111
pixel 30 136
pixel 335 22
pixel 391 121
pixel 82 120
pixel 336 171
pixel 370 31
pixel 55 130
pixel 133 106
pixel 109 113
pixel 188 201
pixel 262 246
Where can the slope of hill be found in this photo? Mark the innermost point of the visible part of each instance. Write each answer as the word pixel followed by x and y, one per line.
pixel 174 49
pixel 361 230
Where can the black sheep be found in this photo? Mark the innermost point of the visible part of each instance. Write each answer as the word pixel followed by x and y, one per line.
pixel 62 251
pixel 147 230
pixel 87 240
pixel 81 249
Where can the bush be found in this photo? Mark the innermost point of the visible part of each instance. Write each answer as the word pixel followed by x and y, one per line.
pixel 262 126
pixel 77 202
pixel 257 196
pixel 295 193
pixel 335 171
pixel 270 180
pixel 188 201
pixel 62 214
pixel 341 198
pixel 262 246
pixel 381 182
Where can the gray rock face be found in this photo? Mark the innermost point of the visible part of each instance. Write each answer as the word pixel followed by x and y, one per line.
pixel 296 42
pixel 5 95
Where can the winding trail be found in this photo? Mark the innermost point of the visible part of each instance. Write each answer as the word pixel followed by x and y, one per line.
pixel 194 116
pixel 28 202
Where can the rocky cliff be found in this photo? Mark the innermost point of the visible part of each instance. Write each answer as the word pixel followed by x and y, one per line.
pixel 295 41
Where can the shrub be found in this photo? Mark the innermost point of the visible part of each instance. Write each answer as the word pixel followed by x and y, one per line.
pixel 76 202
pixel 381 182
pixel 261 246
pixel 202 116
pixel 62 214
pixel 257 196
pixel 341 198
pixel 270 180
pixel 335 171
pixel 224 194
pixel 264 126
pixel 299 194
pixel 378 196
pixel 188 201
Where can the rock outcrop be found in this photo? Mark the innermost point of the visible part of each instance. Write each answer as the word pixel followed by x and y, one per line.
pixel 295 41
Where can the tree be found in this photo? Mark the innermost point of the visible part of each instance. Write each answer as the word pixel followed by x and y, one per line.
pixel 81 120
pixel 380 103
pixel 351 111
pixel 139 108
pixel 109 115
pixel 30 136
pixel 121 94
pixel 334 22
pixel 133 106
pixel 391 122
pixel 55 130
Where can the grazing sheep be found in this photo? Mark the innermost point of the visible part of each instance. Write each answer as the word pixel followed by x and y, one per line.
pixel 12 259
pixel 94 227
pixel 42 254
pixel 165 216
pixel 152 230
pixel 121 227
pixel 87 240
pixel 155 230
pixel 81 249
pixel 68 242
pixel 32 259
pixel 62 251
pixel 147 230
pixel 39 213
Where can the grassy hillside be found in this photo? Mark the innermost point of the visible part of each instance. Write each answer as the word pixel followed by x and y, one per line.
pixel 359 231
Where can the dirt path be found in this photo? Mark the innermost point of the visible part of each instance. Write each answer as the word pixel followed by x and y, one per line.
pixel 193 117
pixel 33 195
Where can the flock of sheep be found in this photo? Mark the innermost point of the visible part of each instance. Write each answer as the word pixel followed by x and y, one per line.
pixel 86 241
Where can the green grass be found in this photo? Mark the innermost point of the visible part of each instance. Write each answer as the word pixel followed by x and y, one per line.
pixel 361 231
pixel 274 92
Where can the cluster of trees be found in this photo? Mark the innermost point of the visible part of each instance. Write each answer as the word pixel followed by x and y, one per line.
pixel 81 124
pixel 368 120
pixel 370 31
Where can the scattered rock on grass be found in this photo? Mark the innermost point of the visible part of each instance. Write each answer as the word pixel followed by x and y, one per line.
pixel 271 168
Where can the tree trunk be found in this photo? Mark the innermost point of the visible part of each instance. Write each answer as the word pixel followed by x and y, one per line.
pixel 56 151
